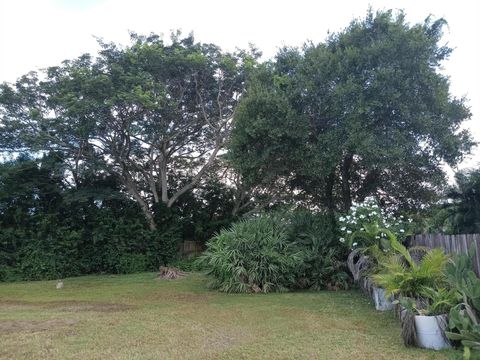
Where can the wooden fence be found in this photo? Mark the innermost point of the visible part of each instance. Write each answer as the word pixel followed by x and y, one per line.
pixel 451 244
pixel 190 248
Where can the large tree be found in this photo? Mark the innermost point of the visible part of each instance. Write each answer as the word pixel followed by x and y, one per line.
pixel 366 112
pixel 155 115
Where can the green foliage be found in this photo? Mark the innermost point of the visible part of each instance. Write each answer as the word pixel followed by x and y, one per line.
pixel 169 112
pixel 49 231
pixel 464 318
pixel 131 263
pixel 460 211
pixel 367 112
pixel 400 275
pixel 187 264
pixel 276 252
pixel 431 301
pixel 252 256
pixel 324 257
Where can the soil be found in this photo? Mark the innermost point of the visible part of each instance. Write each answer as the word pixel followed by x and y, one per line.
pixel 11 326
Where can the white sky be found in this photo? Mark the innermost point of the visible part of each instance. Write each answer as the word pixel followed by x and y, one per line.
pixel 39 33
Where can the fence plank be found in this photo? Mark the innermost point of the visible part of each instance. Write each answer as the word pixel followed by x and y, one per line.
pixel 451 244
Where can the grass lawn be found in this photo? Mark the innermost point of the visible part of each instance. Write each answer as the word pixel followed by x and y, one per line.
pixel 139 317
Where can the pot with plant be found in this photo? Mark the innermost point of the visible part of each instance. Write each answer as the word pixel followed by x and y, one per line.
pixel 425 318
pixel 423 293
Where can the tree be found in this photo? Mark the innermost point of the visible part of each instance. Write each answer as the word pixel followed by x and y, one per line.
pixel 459 213
pixel 150 113
pixel 367 112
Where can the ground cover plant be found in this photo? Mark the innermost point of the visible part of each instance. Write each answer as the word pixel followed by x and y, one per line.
pixel 138 316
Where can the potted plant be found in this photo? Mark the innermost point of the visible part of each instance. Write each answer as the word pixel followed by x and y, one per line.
pixel 430 320
pixel 422 292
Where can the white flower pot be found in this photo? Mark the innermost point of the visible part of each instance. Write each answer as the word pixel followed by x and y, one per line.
pixel 431 331
pixel 382 301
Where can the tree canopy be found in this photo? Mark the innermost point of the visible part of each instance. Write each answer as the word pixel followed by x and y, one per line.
pixel 155 115
pixel 367 112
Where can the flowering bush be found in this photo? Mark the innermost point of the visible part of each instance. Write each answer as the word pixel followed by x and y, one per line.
pixel 369 218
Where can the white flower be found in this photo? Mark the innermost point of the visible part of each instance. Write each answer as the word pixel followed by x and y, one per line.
pixel 362 229
pixel 410 220
pixel 342 240
pixel 372 214
pixel 341 218
pixel 362 216
pixel 343 228
pixel 377 237
pixel 354 244
pixel 401 216
pixel 348 217
pixel 349 231
pixel 402 231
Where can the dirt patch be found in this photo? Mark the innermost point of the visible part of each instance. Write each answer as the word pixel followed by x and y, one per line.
pixel 11 326
pixel 181 297
pixel 222 340
pixel 67 306
pixel 87 306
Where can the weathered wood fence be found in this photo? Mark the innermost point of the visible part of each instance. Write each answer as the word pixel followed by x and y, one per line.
pixel 190 248
pixel 451 244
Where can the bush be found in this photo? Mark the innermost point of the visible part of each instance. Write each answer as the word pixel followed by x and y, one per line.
pixel 49 231
pixel 187 264
pixel 252 256
pixel 324 257
pixel 50 254
pixel 369 215
pixel 281 251
pixel 131 263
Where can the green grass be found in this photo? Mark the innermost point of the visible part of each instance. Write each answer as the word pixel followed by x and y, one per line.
pixel 139 317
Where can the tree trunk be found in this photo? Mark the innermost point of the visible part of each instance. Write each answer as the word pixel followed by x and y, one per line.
pixel 345 184
pixel 329 202
pixel 164 182
pixel 132 189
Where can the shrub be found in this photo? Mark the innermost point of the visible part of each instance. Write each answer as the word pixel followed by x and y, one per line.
pixel 131 263
pixel 50 254
pixel 463 318
pixel 324 257
pixel 280 251
pixel 187 264
pixel 369 215
pixel 252 256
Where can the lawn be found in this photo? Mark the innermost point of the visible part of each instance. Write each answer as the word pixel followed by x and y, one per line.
pixel 140 317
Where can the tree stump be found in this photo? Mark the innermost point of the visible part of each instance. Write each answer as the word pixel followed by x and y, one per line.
pixel 170 273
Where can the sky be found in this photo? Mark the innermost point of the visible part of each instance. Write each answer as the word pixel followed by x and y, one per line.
pixel 35 34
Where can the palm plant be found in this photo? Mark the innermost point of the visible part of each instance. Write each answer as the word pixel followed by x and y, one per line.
pixel 401 275
pixel 431 301
pixel 252 256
